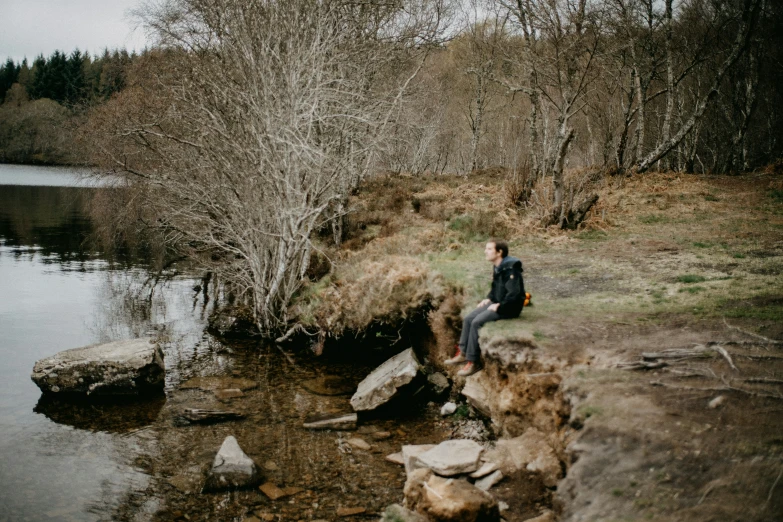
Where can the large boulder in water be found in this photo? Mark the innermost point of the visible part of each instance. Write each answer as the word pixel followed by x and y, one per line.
pixel 131 367
pixel 382 384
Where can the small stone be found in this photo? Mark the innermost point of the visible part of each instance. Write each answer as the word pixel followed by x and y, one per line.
pixel 350 511
pixel 502 506
pixel 396 458
pixel 251 518
pixel 270 465
pixel 484 470
pixel 230 393
pixel 448 409
pixel 490 480
pixel 439 383
pixel 359 443
pixel 546 516
pixel 272 491
pixel 268 517
pixel 381 435
pixel 292 490
pixel 717 402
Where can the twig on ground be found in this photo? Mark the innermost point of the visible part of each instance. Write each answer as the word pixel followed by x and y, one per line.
pixel 760 357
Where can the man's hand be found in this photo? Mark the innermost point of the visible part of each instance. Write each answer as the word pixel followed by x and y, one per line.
pixel 484 302
pixel 494 307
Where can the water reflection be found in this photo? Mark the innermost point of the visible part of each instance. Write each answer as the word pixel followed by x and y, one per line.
pixel 108 415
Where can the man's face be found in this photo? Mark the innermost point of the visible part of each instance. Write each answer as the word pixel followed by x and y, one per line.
pixel 490 253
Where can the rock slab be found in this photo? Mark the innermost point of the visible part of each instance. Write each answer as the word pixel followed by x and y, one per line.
pixel 452 457
pixel 397 513
pixel 382 384
pixel 530 451
pixel 231 469
pixel 409 454
pixel 130 367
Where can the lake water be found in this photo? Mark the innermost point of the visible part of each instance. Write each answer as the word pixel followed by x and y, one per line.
pixel 55 294
pixel 67 461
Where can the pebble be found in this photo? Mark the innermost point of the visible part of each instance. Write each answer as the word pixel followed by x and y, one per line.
pixel 717 402
pixel 448 409
pixel 359 443
pixel 347 512
pixel 381 435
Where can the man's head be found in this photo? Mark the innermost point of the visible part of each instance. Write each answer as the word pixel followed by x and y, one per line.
pixel 495 251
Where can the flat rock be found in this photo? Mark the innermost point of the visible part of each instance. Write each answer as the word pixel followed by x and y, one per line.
pixel 359 443
pixel 409 454
pixel 230 393
pixel 383 382
pixel 187 482
pixel 490 480
pixel 381 435
pixel 484 470
pixel 231 469
pixel 396 458
pixel 201 416
pixel 452 457
pixel 329 385
pixel 218 382
pixel 131 367
pixel 341 421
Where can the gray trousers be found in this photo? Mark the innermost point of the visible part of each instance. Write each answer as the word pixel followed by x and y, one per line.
pixel 468 341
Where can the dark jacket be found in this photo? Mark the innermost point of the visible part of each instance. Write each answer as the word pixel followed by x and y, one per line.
pixel 508 288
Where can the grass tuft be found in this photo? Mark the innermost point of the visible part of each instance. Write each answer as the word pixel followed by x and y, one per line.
pixel 690 279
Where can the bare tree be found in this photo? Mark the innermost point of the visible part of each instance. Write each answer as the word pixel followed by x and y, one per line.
pixel 257 123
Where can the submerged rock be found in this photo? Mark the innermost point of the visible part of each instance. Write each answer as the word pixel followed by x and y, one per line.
pixel 452 457
pixel 233 321
pixel 218 382
pixel 340 421
pixel 382 384
pixel 201 416
pixel 441 499
pixel 329 385
pixel 131 367
pixel 231 469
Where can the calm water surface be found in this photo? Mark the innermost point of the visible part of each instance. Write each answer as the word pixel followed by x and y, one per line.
pixel 55 294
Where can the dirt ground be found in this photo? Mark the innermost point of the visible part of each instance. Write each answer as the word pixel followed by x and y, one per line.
pixel 687 268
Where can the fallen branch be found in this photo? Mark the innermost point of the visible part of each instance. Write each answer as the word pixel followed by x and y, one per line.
pixel 763 380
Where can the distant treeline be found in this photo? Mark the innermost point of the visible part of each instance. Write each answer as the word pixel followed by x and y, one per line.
pixel 41 104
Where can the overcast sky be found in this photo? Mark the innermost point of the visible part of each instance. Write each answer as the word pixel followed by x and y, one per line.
pixel 32 27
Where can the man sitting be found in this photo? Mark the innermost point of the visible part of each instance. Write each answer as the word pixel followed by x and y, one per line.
pixel 505 301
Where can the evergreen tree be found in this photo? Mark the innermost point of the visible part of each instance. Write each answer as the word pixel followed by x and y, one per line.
pixel 74 88
pixel 9 74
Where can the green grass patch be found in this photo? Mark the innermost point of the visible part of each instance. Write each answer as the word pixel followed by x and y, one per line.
pixel 690 279
pixel 692 289
pixel 738 255
pixel 776 195
pixel 592 235
pixel 462 412
pixel 710 197
pixel 652 219
pixel 702 245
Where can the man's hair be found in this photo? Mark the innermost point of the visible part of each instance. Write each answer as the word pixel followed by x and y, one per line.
pixel 500 245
